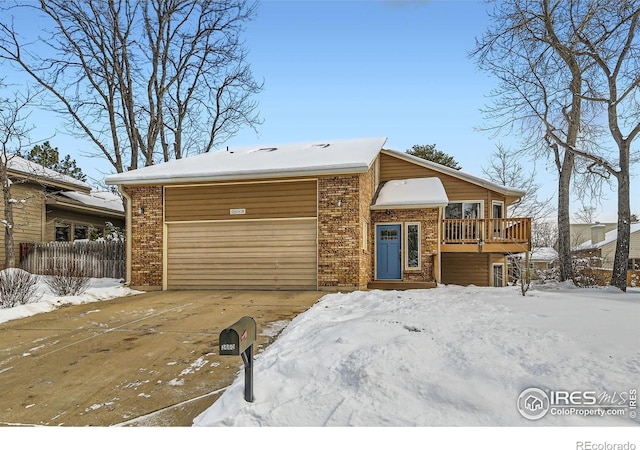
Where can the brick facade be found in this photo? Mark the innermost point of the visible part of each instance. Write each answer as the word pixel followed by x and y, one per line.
pixel 146 236
pixel 367 191
pixel 338 232
pixel 344 260
pixel 429 223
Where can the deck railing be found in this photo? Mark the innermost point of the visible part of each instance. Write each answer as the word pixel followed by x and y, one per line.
pixel 474 231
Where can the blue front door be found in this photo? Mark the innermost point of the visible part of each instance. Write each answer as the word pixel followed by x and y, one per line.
pixel 388 252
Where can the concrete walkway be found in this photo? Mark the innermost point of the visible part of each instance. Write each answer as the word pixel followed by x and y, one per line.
pixel 145 360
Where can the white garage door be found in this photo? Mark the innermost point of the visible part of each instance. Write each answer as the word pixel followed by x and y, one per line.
pixel 258 254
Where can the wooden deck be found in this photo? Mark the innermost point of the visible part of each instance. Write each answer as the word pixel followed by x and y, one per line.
pixel 511 235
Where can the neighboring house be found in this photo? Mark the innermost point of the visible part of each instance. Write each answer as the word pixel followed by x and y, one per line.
pixel 49 206
pixel 72 214
pixel 540 259
pixel 332 215
pixel 582 232
pixel 602 245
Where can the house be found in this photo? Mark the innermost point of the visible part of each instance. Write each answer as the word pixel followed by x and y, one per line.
pixel 540 259
pixel 328 215
pixel 602 245
pixel 49 206
pixel 72 214
pixel 582 232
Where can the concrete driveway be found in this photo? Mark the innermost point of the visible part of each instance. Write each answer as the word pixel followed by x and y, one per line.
pixel 145 360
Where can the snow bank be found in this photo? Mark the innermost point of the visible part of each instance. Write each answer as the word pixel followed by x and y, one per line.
pixel 440 357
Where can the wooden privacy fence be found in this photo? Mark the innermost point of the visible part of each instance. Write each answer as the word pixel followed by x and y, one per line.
pixel 100 259
pixel 603 277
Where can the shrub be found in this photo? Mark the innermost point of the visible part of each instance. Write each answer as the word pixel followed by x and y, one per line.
pixel 587 272
pixel 17 287
pixel 67 279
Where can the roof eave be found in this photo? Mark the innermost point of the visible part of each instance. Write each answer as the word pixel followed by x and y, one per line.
pixel 85 208
pixel 241 176
pixel 407 206
pixel 81 187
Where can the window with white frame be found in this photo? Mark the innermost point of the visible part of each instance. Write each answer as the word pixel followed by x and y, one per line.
pixel 463 210
pixel 498 275
pixel 497 209
pixel 497 212
pixel 412 245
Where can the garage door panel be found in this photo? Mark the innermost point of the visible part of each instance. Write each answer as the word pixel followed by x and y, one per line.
pixel 262 254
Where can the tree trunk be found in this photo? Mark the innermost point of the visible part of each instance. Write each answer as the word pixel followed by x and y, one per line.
pixel 9 250
pixel 620 261
pixel 564 233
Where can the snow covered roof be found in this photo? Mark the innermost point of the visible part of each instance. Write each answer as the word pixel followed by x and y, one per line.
pixel 456 173
pixel 609 237
pixel 411 193
pixel 28 168
pixel 311 158
pixel 540 254
pixel 103 200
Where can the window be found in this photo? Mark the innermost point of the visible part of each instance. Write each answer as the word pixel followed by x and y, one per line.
pixel 80 232
pixel 388 234
pixel 412 245
pixel 498 275
pixel 62 232
pixel 463 210
pixel 459 230
pixel 497 209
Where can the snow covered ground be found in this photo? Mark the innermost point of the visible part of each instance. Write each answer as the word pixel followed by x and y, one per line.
pixel 402 365
pixel 99 289
pixel 448 356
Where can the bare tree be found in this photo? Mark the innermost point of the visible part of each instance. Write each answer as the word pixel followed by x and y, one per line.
pixel 13 132
pixel 144 81
pixel 533 51
pixel 586 214
pixel 610 42
pixel 504 168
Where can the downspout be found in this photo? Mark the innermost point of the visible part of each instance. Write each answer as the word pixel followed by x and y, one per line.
pixel 438 271
pixel 128 234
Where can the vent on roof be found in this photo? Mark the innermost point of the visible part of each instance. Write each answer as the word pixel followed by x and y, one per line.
pixel 267 149
pixel 321 145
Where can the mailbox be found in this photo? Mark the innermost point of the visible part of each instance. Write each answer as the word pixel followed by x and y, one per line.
pixel 235 339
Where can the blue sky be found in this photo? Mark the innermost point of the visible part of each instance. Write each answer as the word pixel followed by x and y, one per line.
pixel 350 69
pixel 341 69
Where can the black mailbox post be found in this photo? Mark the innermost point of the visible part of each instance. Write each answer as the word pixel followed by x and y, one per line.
pixel 236 340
